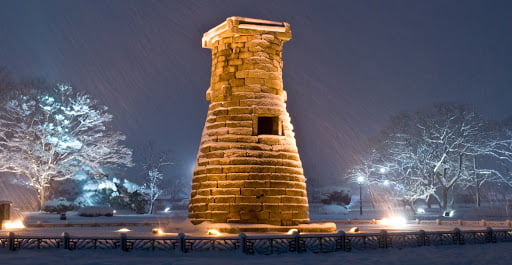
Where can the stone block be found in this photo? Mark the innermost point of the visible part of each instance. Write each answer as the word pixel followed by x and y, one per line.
pixel 293 199
pixel 272 83
pixel 219 207
pixel 254 81
pixel 235 61
pixel 205 192
pixel 228 138
pixel 257 184
pixel 199 207
pixel 296 192
pixel 215 177
pixel 237 82
pixel 224 199
pixel 225 191
pixel 239 124
pixel 289 170
pixel 240 131
pixel 199 178
pixel 230 184
pixel 208 184
pixel 203 199
pixel 269 139
pixel 247 207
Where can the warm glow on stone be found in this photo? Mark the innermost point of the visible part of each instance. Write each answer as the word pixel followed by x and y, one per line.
pixel 213 232
pixel 157 231
pixel 123 230
pixel 248 168
pixel 291 231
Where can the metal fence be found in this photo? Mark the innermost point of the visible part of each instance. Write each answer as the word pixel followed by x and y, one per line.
pixel 263 244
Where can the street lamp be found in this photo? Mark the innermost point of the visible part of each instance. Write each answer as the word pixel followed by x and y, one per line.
pixel 360 181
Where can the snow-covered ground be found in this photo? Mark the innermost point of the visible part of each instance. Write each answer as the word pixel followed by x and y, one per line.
pixel 500 253
pixel 468 254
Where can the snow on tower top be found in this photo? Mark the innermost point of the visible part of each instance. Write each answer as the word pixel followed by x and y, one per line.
pixel 236 26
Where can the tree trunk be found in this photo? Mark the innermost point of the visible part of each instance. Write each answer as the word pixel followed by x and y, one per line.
pixel 150 210
pixel 445 199
pixel 42 197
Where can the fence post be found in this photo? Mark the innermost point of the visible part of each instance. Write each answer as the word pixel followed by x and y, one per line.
pixel 383 239
pixel 457 236
pixel 296 240
pixel 341 242
pixel 490 237
pixel 124 242
pixel 11 241
pixel 243 243
pixel 183 246
pixel 422 238
pixel 65 240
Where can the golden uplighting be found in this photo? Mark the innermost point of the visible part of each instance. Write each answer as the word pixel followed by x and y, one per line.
pixel 17 224
pixel 213 232
pixel 157 231
pixel 291 231
pixel 354 229
pixel 395 221
pixel 123 230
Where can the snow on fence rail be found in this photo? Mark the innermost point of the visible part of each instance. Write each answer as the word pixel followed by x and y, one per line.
pixel 263 244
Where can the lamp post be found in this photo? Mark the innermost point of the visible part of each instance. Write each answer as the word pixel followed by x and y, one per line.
pixel 360 181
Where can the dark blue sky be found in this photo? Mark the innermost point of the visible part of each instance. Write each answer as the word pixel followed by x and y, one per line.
pixel 349 66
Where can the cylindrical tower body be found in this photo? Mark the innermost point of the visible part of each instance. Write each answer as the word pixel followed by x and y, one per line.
pixel 248 168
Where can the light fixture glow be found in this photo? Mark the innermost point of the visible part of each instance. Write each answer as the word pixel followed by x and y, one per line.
pixel 213 232
pixel 17 224
pixel 122 230
pixel 360 180
pixel 395 221
pixel 291 231
pixel 157 231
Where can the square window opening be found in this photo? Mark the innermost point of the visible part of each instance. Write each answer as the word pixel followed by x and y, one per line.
pixel 268 125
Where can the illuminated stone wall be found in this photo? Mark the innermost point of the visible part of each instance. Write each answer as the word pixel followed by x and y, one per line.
pixel 248 168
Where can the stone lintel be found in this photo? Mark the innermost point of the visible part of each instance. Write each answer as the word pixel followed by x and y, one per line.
pixel 238 26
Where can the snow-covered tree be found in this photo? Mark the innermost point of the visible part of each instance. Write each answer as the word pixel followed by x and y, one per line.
pixel 153 161
pixel 52 135
pixel 429 152
pixel 151 187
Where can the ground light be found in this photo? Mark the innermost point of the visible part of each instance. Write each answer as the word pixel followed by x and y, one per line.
pixel 213 232
pixel 16 224
pixel 291 231
pixel 123 230
pixel 395 221
pixel 354 229
pixel 157 231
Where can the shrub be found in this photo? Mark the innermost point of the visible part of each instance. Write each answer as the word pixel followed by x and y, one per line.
pixel 59 205
pixel 94 211
pixel 337 197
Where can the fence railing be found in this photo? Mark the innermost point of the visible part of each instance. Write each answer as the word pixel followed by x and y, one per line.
pixel 262 244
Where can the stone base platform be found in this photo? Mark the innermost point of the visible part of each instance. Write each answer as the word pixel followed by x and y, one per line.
pixel 262 228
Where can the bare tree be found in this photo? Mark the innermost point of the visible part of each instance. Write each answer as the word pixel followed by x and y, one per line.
pixel 153 161
pixel 429 152
pixel 52 135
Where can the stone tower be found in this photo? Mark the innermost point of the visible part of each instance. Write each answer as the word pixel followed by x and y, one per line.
pixel 248 168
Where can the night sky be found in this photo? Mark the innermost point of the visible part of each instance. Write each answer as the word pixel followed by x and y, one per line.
pixel 349 66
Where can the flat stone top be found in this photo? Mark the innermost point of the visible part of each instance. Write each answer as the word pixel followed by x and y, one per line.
pixel 238 26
